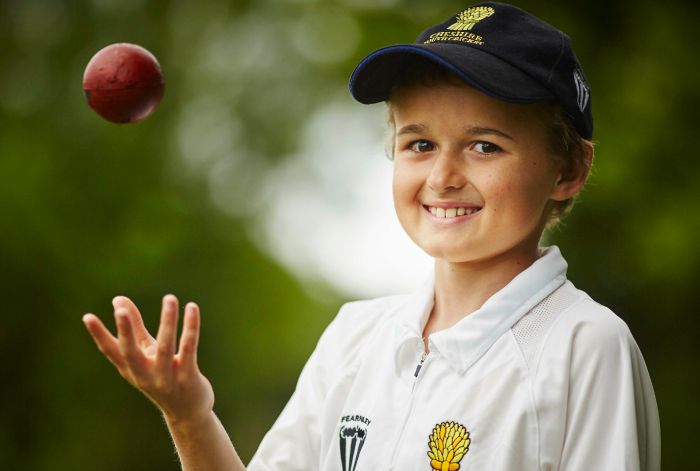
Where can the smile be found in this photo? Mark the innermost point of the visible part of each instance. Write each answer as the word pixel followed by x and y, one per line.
pixel 451 212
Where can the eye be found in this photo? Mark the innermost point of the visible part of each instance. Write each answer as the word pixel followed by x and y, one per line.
pixel 421 145
pixel 484 147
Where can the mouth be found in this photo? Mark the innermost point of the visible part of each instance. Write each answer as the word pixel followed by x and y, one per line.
pixel 451 213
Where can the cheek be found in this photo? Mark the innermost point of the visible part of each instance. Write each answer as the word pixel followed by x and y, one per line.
pixel 397 191
pixel 522 196
pixel 405 185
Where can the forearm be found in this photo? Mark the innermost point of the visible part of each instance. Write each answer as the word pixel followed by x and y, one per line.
pixel 204 446
pixel 171 380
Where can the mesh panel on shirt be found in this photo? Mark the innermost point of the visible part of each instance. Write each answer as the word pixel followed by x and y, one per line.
pixel 531 329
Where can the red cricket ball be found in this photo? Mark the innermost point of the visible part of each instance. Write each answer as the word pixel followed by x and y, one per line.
pixel 123 83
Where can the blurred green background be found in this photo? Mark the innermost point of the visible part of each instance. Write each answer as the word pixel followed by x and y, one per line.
pixel 89 209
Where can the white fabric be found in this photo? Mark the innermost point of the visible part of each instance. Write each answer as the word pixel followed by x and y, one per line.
pixel 571 394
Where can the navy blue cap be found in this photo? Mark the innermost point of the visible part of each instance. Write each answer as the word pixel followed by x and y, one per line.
pixel 500 49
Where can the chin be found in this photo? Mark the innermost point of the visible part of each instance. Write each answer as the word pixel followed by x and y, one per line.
pixel 450 254
pixel 469 252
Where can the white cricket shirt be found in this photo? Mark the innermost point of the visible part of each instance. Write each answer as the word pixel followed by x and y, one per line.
pixel 541 377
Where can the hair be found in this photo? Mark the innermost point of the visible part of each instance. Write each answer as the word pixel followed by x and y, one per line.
pixel 565 143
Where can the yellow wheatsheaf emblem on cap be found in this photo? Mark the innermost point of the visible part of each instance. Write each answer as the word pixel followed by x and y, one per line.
pixel 448 444
pixel 469 17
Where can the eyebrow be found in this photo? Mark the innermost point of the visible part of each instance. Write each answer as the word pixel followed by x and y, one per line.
pixel 478 130
pixel 412 129
pixel 481 130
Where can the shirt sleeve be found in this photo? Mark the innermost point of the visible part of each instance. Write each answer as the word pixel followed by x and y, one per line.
pixel 612 421
pixel 301 434
pixel 293 442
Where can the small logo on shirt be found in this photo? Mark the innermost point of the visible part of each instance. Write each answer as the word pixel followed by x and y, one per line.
pixel 353 432
pixel 447 445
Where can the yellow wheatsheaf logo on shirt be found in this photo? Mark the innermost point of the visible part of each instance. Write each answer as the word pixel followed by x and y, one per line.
pixel 448 443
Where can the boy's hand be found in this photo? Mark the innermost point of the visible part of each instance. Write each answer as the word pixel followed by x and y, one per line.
pixel 171 380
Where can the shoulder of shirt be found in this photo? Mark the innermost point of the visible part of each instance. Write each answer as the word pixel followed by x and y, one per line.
pixel 356 323
pixel 588 325
pixel 371 310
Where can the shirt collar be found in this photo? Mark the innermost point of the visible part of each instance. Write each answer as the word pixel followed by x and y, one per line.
pixel 466 341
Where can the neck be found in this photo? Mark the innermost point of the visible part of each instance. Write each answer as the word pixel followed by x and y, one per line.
pixel 462 288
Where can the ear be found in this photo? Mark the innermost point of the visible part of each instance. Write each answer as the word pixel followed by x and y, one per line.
pixel 573 177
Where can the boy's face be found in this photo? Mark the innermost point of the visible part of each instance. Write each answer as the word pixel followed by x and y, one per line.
pixel 472 175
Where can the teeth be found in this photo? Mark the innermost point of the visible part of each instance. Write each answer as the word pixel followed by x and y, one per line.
pixel 451 212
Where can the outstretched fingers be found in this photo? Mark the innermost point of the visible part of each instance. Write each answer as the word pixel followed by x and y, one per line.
pixel 104 340
pixel 143 338
pixel 167 333
pixel 190 337
pixel 132 353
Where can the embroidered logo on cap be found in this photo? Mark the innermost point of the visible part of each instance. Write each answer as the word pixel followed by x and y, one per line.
pixel 471 16
pixel 352 433
pixel 583 93
pixel 448 443
pixel 459 30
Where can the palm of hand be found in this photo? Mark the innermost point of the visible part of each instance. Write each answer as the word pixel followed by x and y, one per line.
pixel 170 379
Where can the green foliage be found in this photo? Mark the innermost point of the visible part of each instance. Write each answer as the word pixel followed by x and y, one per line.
pixel 90 210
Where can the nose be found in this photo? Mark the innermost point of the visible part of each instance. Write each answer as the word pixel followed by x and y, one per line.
pixel 447 172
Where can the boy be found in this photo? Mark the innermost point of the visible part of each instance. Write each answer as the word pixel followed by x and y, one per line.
pixel 499 362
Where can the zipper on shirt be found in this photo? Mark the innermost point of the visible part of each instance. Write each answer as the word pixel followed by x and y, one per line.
pixel 423 357
pixel 420 364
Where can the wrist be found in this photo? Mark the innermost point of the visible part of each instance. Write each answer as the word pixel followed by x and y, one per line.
pixel 190 423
